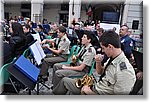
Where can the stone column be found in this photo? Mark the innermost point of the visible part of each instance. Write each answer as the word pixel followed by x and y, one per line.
pixel 37 10
pixel 125 11
pixel 2 9
pixel 74 10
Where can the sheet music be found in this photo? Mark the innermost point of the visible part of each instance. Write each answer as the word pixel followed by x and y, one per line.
pixel 70 31
pixel 38 52
pixel 43 55
pixel 36 37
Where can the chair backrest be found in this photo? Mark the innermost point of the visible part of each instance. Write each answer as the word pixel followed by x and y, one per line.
pixel 74 50
pixel 4 75
pixel 92 67
pixel 26 53
pixel 138 56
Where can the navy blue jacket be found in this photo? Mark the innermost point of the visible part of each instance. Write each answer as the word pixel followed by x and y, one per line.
pixel 126 45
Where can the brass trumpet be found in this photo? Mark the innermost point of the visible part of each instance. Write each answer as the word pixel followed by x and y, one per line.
pixel 86 80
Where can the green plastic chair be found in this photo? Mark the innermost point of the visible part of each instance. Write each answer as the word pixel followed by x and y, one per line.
pixel 92 67
pixel 74 50
pixel 5 75
pixel 26 53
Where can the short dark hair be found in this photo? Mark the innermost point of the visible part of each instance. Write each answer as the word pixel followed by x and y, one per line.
pixel 27 26
pixel 62 29
pixel 100 30
pixel 90 35
pixel 40 26
pixel 125 26
pixel 110 37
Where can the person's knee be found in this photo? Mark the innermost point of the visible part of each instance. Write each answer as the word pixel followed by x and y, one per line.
pixel 59 73
pixel 65 80
pixel 45 60
pixel 57 66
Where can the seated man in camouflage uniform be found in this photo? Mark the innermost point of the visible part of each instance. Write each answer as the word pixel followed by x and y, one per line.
pixel 117 75
pixel 85 58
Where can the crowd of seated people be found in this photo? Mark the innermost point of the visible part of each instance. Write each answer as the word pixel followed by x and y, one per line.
pixel 57 41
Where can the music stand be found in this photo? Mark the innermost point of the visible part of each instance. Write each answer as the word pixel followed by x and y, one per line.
pixel 21 77
pixel 38 55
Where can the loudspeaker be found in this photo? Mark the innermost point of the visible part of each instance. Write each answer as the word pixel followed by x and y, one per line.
pixel 135 24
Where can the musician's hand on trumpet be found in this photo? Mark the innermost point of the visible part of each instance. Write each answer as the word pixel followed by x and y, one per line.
pixel 74 58
pixel 86 90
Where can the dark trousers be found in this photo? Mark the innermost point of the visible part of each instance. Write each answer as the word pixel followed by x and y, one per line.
pixel 137 86
pixel 48 62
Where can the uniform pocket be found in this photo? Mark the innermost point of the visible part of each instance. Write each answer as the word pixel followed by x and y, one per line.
pixel 110 81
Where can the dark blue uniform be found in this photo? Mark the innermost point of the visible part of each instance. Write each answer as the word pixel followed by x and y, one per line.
pixel 126 45
pixel 42 36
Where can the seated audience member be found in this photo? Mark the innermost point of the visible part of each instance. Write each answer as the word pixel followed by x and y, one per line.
pixel 32 27
pixel 54 27
pixel 26 29
pixel 6 56
pixel 138 56
pixel 117 76
pixel 49 36
pixel 18 39
pixel 82 64
pixel 100 31
pixel 40 30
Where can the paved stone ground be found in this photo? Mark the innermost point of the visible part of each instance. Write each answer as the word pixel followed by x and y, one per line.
pixel 44 90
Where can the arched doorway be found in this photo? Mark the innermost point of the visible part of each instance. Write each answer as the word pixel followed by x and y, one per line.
pixel 109 13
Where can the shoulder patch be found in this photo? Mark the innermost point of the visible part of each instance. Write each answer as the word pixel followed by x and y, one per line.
pixel 89 49
pixel 122 66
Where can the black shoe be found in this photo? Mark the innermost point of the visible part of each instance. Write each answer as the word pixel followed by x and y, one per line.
pixel 52 87
pixel 42 78
pixel 47 74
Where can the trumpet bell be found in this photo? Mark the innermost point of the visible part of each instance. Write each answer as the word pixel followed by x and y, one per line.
pixel 78 83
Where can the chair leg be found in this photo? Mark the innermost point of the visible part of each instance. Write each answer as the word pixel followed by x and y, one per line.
pixel 29 92
pixel 37 88
pixel 13 85
pixel 45 85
